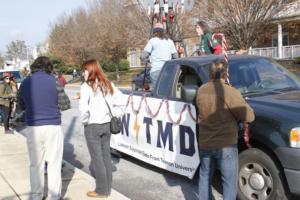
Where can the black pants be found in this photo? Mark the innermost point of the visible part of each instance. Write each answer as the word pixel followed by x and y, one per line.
pixel 6 116
pixel 98 142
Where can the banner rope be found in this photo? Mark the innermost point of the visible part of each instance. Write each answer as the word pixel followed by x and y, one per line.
pixel 152 114
pixel 246 135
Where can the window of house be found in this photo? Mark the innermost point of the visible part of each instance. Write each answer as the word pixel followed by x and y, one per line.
pixel 285 39
pixel 133 57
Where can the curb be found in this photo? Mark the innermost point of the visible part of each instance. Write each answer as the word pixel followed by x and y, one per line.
pixel 90 178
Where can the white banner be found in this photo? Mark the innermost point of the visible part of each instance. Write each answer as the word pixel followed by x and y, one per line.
pixel 159 141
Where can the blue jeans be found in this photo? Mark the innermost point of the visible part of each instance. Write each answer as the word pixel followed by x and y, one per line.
pixel 153 77
pixel 227 160
pixel 98 143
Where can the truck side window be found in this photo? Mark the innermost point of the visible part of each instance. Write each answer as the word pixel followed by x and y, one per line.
pixel 187 76
pixel 166 80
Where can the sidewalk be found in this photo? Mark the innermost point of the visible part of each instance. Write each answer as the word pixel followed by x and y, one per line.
pixel 14 173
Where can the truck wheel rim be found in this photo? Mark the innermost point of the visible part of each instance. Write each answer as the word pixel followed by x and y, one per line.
pixel 255 181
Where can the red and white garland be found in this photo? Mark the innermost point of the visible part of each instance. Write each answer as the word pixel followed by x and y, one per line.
pixel 153 114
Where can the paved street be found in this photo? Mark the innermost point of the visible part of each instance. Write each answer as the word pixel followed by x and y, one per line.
pixel 133 178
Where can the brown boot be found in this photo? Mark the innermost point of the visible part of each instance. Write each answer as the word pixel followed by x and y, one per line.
pixel 96 195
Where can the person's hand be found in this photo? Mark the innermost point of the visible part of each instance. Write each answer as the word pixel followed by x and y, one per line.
pixel 77 96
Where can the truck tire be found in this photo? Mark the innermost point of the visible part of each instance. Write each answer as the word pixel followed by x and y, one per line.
pixel 259 178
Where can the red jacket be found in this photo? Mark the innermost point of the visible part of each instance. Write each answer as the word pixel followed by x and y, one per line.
pixel 62 81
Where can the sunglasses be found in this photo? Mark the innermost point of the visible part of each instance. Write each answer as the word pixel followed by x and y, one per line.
pixel 6 78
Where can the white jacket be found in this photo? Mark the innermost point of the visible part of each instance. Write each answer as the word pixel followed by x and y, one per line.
pixel 92 104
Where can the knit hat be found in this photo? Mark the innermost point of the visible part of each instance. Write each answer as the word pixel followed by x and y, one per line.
pixel 158 27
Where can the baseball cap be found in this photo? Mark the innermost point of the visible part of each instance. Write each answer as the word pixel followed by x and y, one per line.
pixel 158 27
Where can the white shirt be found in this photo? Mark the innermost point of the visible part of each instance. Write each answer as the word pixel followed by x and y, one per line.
pixel 92 105
pixel 160 50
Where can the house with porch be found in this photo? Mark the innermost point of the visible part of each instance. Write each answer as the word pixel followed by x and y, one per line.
pixel 282 40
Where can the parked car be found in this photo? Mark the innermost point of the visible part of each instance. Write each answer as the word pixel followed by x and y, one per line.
pixel 270 169
pixel 141 81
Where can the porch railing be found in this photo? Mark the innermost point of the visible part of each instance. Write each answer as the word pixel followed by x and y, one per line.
pixel 288 52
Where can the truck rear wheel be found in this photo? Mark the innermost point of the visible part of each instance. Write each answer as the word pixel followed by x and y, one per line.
pixel 259 178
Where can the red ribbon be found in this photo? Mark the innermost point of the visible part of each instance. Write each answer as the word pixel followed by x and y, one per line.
pixel 246 135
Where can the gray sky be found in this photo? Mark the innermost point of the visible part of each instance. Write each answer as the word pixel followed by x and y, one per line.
pixel 30 20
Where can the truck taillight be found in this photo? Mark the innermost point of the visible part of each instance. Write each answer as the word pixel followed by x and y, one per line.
pixel 295 137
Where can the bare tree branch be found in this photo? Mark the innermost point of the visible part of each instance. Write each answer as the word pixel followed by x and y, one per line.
pixel 242 21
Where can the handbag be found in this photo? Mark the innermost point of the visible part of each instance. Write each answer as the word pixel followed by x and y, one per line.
pixel 115 122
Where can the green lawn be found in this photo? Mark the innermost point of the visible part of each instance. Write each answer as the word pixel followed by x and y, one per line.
pixel 125 76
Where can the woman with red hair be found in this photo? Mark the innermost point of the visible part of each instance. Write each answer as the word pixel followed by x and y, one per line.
pixel 95 116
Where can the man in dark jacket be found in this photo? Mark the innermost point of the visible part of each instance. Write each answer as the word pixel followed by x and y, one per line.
pixel 42 98
pixel 220 108
pixel 7 94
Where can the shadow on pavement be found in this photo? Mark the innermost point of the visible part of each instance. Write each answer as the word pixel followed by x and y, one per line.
pixel 115 158
pixel 67 173
pixel 71 157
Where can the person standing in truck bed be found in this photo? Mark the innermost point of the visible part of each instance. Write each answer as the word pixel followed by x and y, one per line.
pixel 160 49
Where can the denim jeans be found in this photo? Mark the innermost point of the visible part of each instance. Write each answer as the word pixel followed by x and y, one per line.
pixel 227 160
pixel 98 143
pixel 6 116
pixel 153 77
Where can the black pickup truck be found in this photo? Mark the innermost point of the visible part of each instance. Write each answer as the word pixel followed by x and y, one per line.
pixel 271 168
